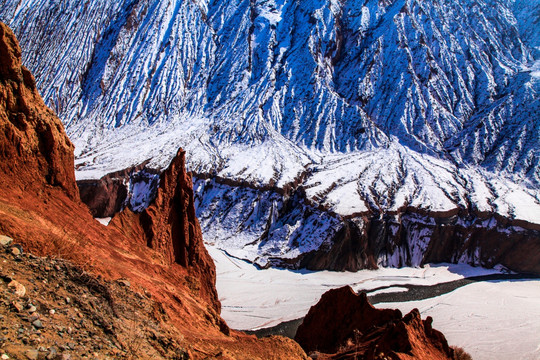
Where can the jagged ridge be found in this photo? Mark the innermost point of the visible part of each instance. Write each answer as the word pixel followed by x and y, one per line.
pixel 374 108
pixel 344 325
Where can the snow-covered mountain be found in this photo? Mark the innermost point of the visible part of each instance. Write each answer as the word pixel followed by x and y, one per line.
pixel 310 124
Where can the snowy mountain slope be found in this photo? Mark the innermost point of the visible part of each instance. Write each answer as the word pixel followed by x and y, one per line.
pixel 369 208
pixel 366 108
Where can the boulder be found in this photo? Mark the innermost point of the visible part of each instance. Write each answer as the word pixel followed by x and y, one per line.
pixel 5 240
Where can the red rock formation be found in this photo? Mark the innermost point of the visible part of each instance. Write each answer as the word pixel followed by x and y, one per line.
pixel 336 316
pixel 160 252
pixel 181 241
pixel 344 325
pixel 37 159
pixel 33 145
pixel 170 227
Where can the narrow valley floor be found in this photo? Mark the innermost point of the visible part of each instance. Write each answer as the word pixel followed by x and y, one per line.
pixel 492 315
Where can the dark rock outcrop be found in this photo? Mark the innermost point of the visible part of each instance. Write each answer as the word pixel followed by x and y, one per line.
pixel 350 251
pixel 109 195
pixel 104 197
pixel 344 325
pixel 34 148
pixel 413 238
pixel 478 239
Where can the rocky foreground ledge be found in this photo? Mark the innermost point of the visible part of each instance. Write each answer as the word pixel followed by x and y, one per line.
pixel 53 309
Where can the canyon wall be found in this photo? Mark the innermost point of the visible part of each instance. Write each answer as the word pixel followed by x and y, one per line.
pixel 159 253
pixel 287 228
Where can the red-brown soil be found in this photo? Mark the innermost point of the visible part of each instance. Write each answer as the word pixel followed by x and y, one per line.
pixel 159 251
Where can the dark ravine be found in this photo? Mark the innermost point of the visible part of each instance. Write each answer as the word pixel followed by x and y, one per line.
pixel 410 237
pixel 111 193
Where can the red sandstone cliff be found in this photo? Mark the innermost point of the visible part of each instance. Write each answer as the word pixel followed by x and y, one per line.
pixel 344 325
pixel 33 145
pixel 170 227
pixel 160 251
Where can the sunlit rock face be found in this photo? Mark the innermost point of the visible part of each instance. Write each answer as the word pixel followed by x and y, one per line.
pixel 328 134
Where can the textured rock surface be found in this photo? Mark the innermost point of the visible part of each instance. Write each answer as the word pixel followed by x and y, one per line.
pixel 170 227
pixel 134 188
pixel 104 197
pixel 415 239
pixel 34 143
pixel 332 321
pixel 344 325
pixel 174 205
pixel 373 108
pixel 40 207
pixel 34 147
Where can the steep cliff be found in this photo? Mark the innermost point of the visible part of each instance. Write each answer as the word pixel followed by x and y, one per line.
pixel 34 147
pixel 161 255
pixel 37 153
pixel 170 227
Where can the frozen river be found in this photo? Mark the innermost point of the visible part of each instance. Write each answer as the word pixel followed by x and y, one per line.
pixel 496 319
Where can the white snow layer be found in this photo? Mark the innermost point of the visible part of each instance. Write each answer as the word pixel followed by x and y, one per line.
pixel 252 298
pixel 386 179
pixel 495 320
pixel 380 99
pixel 104 221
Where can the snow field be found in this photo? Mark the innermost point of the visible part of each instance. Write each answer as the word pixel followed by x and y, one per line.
pixel 496 320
